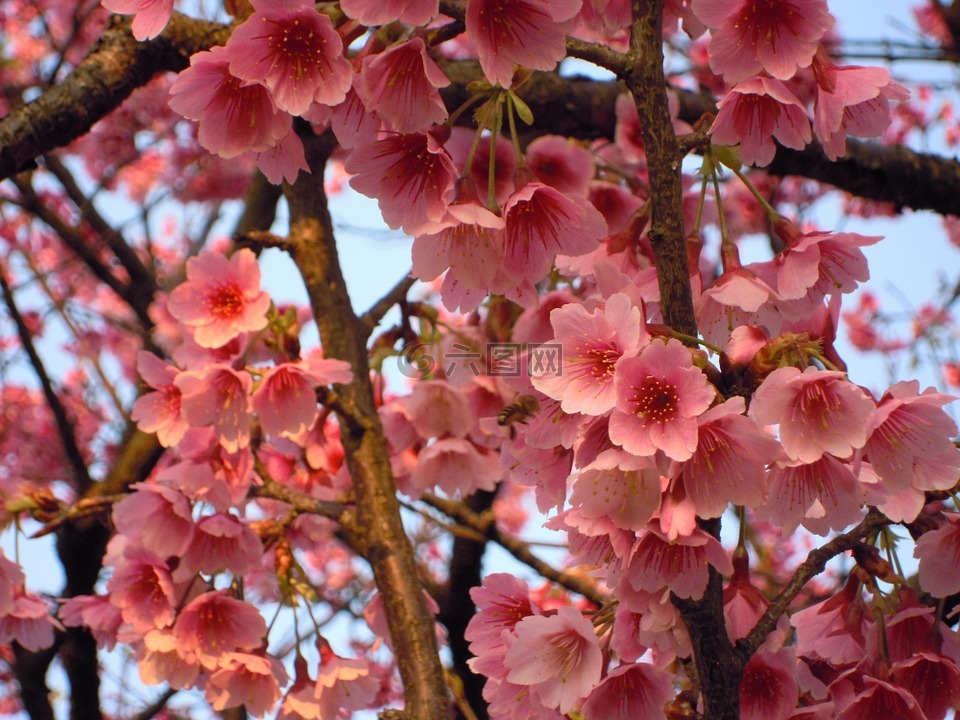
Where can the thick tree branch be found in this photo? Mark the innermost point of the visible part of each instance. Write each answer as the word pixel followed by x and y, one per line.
pixel 115 67
pixel 384 541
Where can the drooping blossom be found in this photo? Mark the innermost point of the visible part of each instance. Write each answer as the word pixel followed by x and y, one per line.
pixel 221 297
pixel 283 161
pixel 253 681
pixel 344 685
pixel 933 679
pixel 558 655
pixel 150 17
pixel 911 439
pixel 221 542
pixel 215 623
pixel 234 117
pixel 769 689
pixel 834 629
pixel 561 163
pixel 142 588
pixel 162 660
pixel 851 100
pixel 755 112
pixel 30 623
pixel 218 396
pixel 437 409
pixel 939 554
pixel 681 565
pixel 159 412
pixel 502 601
pixel 401 83
pixel 382 12
pixel 818 411
pixel 739 297
pixel 456 466
pixel 749 36
pixel 95 613
pixel 879 698
pixel 286 399
pixel 659 396
pixel 171 520
pixel 11 578
pixel 821 495
pixel 729 463
pixel 294 51
pixel 593 344
pixel 531 33
pixel 471 251
pixel 630 692
pixel 411 176
pixel 541 223
pixel 620 486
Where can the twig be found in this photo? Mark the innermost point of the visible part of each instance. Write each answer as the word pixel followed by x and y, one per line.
pixel 372 317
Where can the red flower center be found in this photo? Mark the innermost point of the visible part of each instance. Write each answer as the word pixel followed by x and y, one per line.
pixel 225 301
pixel 655 400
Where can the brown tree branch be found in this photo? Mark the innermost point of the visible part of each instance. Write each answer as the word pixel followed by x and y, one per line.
pixel 115 67
pixel 384 540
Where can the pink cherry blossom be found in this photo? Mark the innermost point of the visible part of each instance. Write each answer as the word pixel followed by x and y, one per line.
pixel 754 35
pixel 284 160
pixel 473 252
pixel 620 486
pixel 558 655
pixel 681 565
pixel 253 681
pixel 215 623
pixel 221 542
pixel 286 399
pixel 561 163
pixel 755 112
pixel 294 51
pixel 729 463
pixel 629 692
pixel 143 589
pixel 171 520
pixel 401 83
pixel 235 117
pixel 161 660
pixel 659 396
pixel 30 624
pixel 541 223
pixel 851 100
pixel 95 613
pixel 834 630
pixel 909 426
pixel 344 685
pixel 218 396
pixel 352 122
pixel 881 699
pixel 818 411
pixel 739 297
pixel 11 578
pixel 821 495
pixel 769 690
pixel 382 12
pixel 221 298
pixel 150 16
pixel 455 466
pixel 502 601
pixel 593 344
pixel 412 178
pixel 159 412
pixel 939 554
pixel 518 32
pixel 437 409
pixel 933 679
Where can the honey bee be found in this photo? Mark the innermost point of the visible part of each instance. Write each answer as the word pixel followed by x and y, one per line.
pixel 520 410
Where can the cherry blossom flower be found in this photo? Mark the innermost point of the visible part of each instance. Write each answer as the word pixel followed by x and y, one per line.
pixel 593 344
pixel 561 163
pixel 412 178
pixel 218 396
pixel 294 51
pixel 11 578
pixel 95 613
pixel 739 297
pixel 171 524
pixel 235 117
pixel 221 298
pixel 215 623
pixel 821 495
pixel 769 690
pixel 749 36
pixel 436 409
pixel 620 486
pixel 933 679
pixel 818 411
pixel 659 396
pixel 629 692
pixel 143 589
pixel 471 251
pixel 456 466
pixel 221 542
pixel 681 565
pixel 851 100
pixel 159 412
pixel 150 16
pixel 910 439
pixel 30 624
pixel 401 83
pixel 881 699
pixel 729 463
pixel 284 160
pixel 834 630
pixel 755 112
pixel 253 681
pixel 518 32
pixel 161 660
pixel 502 601
pixel 558 655
pixel 541 223
pixel 939 554
pixel 286 399
pixel 382 12
pixel 344 685
pixel 352 122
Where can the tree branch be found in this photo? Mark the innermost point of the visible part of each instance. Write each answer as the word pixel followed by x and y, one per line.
pixel 384 541
pixel 115 67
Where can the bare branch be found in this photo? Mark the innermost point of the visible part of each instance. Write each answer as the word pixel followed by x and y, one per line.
pixel 372 317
